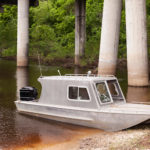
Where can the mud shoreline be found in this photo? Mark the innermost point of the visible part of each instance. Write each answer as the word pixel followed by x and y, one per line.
pixel 68 62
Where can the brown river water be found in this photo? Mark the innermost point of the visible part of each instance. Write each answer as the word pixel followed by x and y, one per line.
pixel 24 132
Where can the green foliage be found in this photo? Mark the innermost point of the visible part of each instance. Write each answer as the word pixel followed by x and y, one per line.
pixel 122 40
pixel 93 28
pixel 8 30
pixel 52 30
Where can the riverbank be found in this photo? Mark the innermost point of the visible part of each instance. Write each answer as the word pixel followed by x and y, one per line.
pixel 136 138
pixel 68 62
pixel 39 135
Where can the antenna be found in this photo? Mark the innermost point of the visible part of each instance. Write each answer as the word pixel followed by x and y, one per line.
pixel 59 72
pixel 39 63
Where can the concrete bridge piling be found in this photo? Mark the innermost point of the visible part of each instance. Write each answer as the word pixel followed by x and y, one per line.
pixel 23 33
pixel 23 26
pixel 137 57
pixel 80 29
pixel 138 94
pixel 109 36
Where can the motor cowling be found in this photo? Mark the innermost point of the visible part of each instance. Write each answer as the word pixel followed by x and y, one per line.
pixel 28 93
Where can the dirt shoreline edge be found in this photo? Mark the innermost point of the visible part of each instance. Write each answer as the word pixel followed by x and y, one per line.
pixel 68 62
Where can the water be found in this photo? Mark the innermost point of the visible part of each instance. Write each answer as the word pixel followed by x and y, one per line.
pixel 18 131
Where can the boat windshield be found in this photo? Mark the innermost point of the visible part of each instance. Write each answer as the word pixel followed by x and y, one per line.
pixel 103 92
pixel 115 90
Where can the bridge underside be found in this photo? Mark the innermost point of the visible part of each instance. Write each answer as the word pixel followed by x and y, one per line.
pixel 14 2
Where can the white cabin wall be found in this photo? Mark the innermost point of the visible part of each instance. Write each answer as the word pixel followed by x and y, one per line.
pixel 54 92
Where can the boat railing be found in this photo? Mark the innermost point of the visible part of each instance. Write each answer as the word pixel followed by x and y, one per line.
pixel 89 75
pixel 105 76
pixel 85 75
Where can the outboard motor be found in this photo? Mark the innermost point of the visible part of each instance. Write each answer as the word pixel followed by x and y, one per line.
pixel 28 93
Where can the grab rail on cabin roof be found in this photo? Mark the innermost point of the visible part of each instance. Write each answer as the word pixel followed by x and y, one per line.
pixel 105 75
pixel 89 75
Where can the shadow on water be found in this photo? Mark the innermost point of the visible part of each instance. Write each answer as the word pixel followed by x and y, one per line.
pixel 19 130
pixel 32 132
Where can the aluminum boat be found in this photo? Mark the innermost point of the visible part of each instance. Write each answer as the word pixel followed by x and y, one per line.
pixel 87 100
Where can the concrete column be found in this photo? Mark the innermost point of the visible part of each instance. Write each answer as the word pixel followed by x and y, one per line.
pixel 80 29
pixel 23 33
pixel 138 94
pixel 76 70
pixel 110 36
pixel 137 57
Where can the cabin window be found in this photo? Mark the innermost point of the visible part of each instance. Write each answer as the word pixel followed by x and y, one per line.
pixel 115 90
pixel 78 93
pixel 73 92
pixel 83 94
pixel 103 92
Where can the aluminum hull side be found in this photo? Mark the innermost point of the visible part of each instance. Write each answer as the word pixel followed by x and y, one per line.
pixel 109 121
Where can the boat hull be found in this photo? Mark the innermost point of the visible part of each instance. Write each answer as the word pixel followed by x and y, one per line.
pixel 101 119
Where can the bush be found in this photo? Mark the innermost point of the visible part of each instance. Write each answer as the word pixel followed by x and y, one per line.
pixel 52 29
pixel 8 30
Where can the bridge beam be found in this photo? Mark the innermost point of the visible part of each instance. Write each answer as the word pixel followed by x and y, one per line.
pixel 109 36
pixel 23 33
pixel 137 56
pixel 80 29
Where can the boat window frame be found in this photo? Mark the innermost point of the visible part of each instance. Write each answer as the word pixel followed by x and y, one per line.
pixel 116 88
pixel 77 100
pixel 107 90
pixel 120 90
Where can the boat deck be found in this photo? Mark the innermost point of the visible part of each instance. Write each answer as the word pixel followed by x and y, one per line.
pixel 127 108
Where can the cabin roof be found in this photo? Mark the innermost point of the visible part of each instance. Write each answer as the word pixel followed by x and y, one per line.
pixel 78 78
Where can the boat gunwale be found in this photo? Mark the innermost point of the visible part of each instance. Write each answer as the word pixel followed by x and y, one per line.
pixel 110 109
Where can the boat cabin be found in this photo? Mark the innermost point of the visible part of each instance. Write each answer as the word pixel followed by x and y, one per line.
pixel 83 100
pixel 80 91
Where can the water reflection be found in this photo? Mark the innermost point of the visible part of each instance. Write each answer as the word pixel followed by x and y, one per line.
pixel 34 132
pixel 18 130
pixel 22 76
pixel 138 94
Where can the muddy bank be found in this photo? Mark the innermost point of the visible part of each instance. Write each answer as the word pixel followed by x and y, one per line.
pixel 68 62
